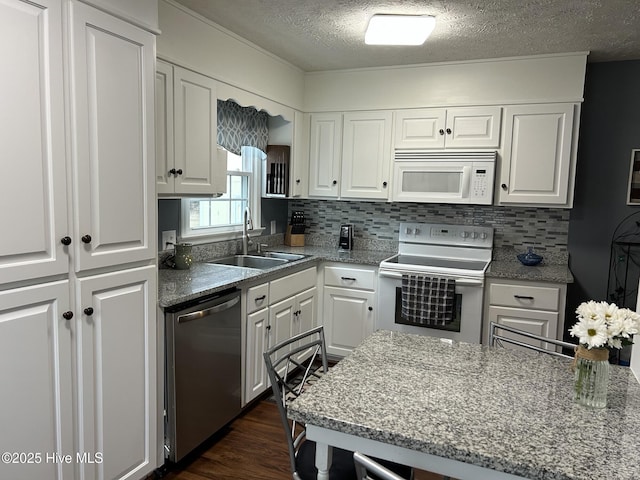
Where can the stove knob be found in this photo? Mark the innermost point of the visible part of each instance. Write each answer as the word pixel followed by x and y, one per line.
pixel 474 235
pixel 464 234
pixel 408 231
pixel 416 231
pixel 483 236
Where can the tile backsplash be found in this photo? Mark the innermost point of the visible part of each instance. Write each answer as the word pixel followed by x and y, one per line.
pixel 546 229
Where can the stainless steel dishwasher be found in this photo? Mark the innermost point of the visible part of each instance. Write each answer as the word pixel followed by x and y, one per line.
pixel 202 367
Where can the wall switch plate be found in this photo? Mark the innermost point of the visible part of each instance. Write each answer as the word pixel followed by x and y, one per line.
pixel 273 227
pixel 168 239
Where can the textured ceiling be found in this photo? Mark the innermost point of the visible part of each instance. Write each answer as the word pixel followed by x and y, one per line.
pixel 328 34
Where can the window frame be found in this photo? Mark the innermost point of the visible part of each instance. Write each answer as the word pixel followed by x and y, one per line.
pixel 229 232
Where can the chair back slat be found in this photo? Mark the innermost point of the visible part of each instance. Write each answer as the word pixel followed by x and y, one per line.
pixel 498 339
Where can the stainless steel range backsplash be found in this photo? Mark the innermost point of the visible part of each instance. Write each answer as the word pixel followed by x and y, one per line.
pixel 546 229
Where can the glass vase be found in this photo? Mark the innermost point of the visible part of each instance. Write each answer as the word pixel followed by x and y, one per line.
pixel 592 377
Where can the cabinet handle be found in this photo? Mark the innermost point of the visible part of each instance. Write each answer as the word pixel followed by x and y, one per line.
pixel 67 315
pixel 449 131
pixel 504 186
pixel 172 171
pixel 179 171
pixel 88 311
pixel 348 279
pixel 86 239
pixel 371 309
pixel 268 327
pixel 65 240
pixel 523 297
pixel 260 298
pixel 297 180
pixel 441 132
pixel 335 182
pixel 384 184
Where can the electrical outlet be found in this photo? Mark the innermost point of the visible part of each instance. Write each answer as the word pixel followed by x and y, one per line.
pixel 168 239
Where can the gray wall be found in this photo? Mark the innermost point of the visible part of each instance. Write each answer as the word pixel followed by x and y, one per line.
pixel 609 130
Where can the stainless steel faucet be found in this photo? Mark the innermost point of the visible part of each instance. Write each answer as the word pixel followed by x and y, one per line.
pixel 247 224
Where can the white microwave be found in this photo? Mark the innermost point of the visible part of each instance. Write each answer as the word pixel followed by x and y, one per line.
pixel 443 177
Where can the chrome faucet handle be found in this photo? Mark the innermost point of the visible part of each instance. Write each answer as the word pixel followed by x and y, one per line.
pixel 260 246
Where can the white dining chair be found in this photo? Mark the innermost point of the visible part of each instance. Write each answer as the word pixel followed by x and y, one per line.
pixel 293 366
pixel 498 336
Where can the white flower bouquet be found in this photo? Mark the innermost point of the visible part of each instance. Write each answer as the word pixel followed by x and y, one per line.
pixel 602 324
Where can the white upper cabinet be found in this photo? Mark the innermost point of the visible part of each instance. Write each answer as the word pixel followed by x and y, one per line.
pixel 538 155
pixel 165 180
pixel 463 127
pixel 112 126
pixel 299 180
pixel 325 148
pixel 33 195
pixel 366 155
pixel 197 169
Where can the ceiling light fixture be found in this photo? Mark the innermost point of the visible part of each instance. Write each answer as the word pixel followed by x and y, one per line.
pixel 399 29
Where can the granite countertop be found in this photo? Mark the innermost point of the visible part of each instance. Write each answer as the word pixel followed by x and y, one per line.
pixel 496 408
pixel 180 286
pixel 554 268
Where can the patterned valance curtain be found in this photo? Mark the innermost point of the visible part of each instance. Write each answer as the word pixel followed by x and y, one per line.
pixel 241 126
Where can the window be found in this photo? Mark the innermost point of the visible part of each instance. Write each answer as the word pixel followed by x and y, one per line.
pixel 222 217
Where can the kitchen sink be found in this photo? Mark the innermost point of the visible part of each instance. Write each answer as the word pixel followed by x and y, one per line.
pixel 250 261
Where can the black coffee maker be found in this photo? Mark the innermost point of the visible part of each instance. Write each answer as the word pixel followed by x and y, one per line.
pixel 346 237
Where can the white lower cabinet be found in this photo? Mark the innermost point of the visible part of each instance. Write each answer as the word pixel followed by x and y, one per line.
pixel 36 374
pixel 535 307
pixel 99 349
pixel 276 311
pixel 348 306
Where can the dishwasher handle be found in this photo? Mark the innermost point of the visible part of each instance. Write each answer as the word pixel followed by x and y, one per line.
pixel 188 317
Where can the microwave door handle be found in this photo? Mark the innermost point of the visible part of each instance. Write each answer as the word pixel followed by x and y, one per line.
pixel 466 180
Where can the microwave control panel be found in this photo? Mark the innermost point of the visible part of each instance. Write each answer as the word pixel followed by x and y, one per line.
pixel 481 181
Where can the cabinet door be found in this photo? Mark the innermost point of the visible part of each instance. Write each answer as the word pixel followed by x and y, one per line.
pixel 195 126
pixel 256 381
pixel 536 164
pixel 533 321
pixel 117 372
pixel 473 127
pixel 325 148
pixel 366 155
pixel 420 128
pixel 35 371
pixel 164 128
pixel 113 147
pixel 33 193
pixel 281 318
pixel 347 318
pixel 299 179
pixel 305 319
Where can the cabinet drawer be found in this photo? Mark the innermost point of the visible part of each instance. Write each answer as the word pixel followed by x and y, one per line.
pixel 257 297
pixel 290 285
pixel 350 277
pixel 524 296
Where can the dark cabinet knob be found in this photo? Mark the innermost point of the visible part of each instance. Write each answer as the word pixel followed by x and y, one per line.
pixel 65 240
pixel 335 182
pixel 298 180
pixel 384 184
pixel 172 171
pixel 268 327
pixel 67 315
pixel 179 171
pixel 441 131
pixel 449 131
pixel 504 186
pixel 86 239
pixel 88 311
pixel 371 309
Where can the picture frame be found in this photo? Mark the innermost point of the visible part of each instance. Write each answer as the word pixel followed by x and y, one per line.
pixel 633 192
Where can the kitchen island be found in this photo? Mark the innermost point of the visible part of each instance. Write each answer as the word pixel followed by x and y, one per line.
pixel 471 412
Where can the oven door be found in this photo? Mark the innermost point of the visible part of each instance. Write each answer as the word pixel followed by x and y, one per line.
pixel 467 327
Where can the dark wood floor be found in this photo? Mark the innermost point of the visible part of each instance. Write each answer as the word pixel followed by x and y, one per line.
pixel 252 447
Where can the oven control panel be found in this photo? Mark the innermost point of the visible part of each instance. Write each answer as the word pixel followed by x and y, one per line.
pixel 444 234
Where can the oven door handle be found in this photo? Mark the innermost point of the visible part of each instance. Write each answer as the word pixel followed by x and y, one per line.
pixel 463 282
